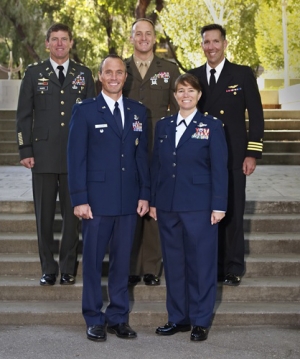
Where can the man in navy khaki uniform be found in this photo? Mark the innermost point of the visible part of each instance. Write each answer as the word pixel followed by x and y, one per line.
pixel 48 92
pixel 228 90
pixel 151 81
pixel 109 184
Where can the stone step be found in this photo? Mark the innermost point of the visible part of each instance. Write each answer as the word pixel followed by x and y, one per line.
pixel 7 124
pixel 149 313
pixel 9 159
pixel 288 159
pixel 281 135
pixel 8 115
pixel 17 207
pixel 281 114
pixel 8 135
pixel 27 207
pixel 275 243
pixel 8 147
pixel 273 223
pixel 281 146
pixel 260 289
pixel 19 243
pixel 283 264
pixel 272 207
pixel 255 243
pixel 282 124
pixel 268 264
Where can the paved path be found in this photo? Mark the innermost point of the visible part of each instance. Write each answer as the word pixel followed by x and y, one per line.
pixel 49 342
pixel 267 183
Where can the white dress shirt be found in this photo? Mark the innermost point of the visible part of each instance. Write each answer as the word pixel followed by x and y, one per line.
pixel 182 127
pixel 218 69
pixel 111 105
pixel 65 65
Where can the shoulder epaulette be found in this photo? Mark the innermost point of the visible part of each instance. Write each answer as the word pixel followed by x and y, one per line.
pixel 86 101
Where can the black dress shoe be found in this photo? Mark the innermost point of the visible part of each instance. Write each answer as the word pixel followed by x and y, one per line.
pixel 67 279
pixel 48 279
pixel 122 330
pixel 151 279
pixel 133 279
pixel 199 333
pixel 232 279
pixel 172 328
pixel 96 333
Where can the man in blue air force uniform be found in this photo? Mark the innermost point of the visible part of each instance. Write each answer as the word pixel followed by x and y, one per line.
pixel 109 183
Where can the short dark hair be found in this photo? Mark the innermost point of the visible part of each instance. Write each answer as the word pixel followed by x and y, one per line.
pixel 58 27
pixel 213 27
pixel 111 56
pixel 188 79
pixel 143 19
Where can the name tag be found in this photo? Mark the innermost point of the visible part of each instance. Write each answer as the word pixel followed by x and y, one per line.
pixel 101 126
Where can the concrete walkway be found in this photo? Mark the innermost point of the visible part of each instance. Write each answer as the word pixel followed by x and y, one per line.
pixel 49 342
pixel 267 183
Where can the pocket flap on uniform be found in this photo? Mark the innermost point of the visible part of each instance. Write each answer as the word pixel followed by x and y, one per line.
pixel 96 176
pixel 197 179
pixel 40 134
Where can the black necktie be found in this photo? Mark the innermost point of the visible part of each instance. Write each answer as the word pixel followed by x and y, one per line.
pixel 61 75
pixel 212 80
pixel 182 121
pixel 118 118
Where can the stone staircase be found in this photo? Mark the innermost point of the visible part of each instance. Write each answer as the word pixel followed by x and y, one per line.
pixel 268 295
pixel 8 139
pixel 281 138
pixel 281 142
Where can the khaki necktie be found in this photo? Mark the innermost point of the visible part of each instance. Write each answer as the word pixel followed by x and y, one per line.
pixel 143 69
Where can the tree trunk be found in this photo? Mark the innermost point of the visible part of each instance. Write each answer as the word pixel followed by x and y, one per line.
pixel 141 8
pixel 22 35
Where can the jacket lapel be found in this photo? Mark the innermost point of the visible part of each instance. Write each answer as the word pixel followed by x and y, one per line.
pixel 222 84
pixel 128 117
pixel 190 130
pixel 132 69
pixel 106 114
pixel 171 130
pixel 50 73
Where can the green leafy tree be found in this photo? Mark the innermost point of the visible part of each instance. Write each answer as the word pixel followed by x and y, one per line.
pixel 269 40
pixel 21 31
pixel 183 20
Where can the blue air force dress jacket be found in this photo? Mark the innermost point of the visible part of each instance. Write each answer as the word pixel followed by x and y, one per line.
pixel 107 169
pixel 192 176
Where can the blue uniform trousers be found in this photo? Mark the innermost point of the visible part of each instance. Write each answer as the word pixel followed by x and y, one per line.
pixel 189 246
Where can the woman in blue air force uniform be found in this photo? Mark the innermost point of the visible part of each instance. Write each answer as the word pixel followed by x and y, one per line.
pixel 188 199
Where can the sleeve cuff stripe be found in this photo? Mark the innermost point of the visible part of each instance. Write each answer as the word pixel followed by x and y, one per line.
pixel 255 143
pixel 252 148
